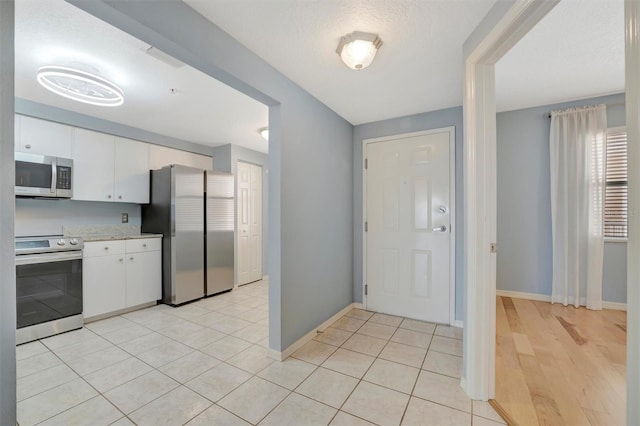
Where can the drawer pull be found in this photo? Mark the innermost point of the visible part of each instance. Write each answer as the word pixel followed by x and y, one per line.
pixel 144 245
pixel 131 258
pixel 106 248
pixel 121 259
pixel 28 146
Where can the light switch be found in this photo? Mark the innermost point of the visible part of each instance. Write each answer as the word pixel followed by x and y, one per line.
pixel 125 217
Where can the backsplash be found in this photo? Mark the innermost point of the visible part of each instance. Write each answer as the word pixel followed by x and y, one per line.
pixel 100 230
pixel 48 217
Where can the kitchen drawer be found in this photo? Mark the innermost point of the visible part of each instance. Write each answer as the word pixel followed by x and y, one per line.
pixel 103 248
pixel 137 245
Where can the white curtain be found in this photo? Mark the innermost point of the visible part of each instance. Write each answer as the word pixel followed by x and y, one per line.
pixel 577 152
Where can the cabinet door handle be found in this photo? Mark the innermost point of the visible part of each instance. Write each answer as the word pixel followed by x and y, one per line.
pixel 121 259
pixel 144 245
pixel 28 146
pixel 106 248
pixel 119 197
pixel 131 258
pixel 109 196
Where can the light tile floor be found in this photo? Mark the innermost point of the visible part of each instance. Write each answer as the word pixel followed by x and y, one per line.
pixel 207 363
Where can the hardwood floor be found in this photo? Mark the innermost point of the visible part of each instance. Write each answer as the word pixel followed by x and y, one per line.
pixel 560 365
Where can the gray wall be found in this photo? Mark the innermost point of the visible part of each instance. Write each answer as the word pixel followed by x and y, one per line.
pixel 524 203
pixel 225 159
pixel 310 157
pixel 7 255
pixel 47 217
pixel 408 124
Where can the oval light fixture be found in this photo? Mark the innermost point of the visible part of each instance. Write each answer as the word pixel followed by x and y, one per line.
pixel 264 132
pixel 358 49
pixel 80 86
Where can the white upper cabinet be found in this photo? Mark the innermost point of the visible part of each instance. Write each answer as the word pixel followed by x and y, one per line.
pixel 131 183
pixel 42 137
pixel 160 156
pixel 93 166
pixel 105 167
pixel 109 168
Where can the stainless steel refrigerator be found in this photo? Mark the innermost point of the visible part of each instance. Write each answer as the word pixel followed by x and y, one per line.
pixel 220 235
pixel 195 240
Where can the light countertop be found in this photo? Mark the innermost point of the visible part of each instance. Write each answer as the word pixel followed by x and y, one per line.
pixel 91 233
pixel 91 238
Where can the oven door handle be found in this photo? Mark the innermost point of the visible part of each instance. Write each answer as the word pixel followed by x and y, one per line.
pixel 30 259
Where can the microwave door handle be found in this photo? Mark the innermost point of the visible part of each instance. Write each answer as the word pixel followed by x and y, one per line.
pixel 54 176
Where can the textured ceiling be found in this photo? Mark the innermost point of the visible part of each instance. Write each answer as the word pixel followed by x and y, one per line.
pixel 418 68
pixel 203 110
pixel 575 52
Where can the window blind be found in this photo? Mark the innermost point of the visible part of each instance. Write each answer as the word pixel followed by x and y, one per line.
pixel 615 206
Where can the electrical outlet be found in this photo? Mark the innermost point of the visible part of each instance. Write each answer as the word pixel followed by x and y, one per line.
pixel 125 217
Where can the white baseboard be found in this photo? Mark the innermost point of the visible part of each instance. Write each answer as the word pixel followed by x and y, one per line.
pixel 523 295
pixel 457 323
pixel 546 298
pixel 281 356
pixel 616 306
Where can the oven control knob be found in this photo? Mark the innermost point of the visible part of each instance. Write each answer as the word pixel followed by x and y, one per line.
pixel 61 242
pixel 73 242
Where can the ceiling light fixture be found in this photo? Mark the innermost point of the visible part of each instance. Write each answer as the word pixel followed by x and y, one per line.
pixel 358 49
pixel 80 86
pixel 264 132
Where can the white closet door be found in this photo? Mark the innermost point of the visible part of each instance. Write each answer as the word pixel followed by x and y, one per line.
pixel 249 222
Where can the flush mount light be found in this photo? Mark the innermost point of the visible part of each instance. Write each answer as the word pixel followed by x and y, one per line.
pixel 80 86
pixel 358 49
pixel 264 132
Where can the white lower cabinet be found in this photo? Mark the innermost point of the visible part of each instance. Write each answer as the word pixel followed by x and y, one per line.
pixel 144 279
pixel 120 274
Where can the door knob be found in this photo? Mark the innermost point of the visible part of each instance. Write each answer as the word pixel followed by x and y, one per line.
pixel 442 228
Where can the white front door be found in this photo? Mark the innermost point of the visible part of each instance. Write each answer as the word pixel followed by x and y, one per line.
pixel 409 228
pixel 249 229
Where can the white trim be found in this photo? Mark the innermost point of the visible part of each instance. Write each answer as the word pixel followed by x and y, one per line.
pixel 452 209
pixel 632 107
pixel 615 306
pixel 547 298
pixel 523 295
pixel 281 356
pixel 457 323
pixel 504 25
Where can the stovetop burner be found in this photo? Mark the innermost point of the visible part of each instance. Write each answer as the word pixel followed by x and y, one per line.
pixel 47 244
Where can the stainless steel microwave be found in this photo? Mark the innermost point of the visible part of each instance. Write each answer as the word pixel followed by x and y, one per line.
pixel 43 176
